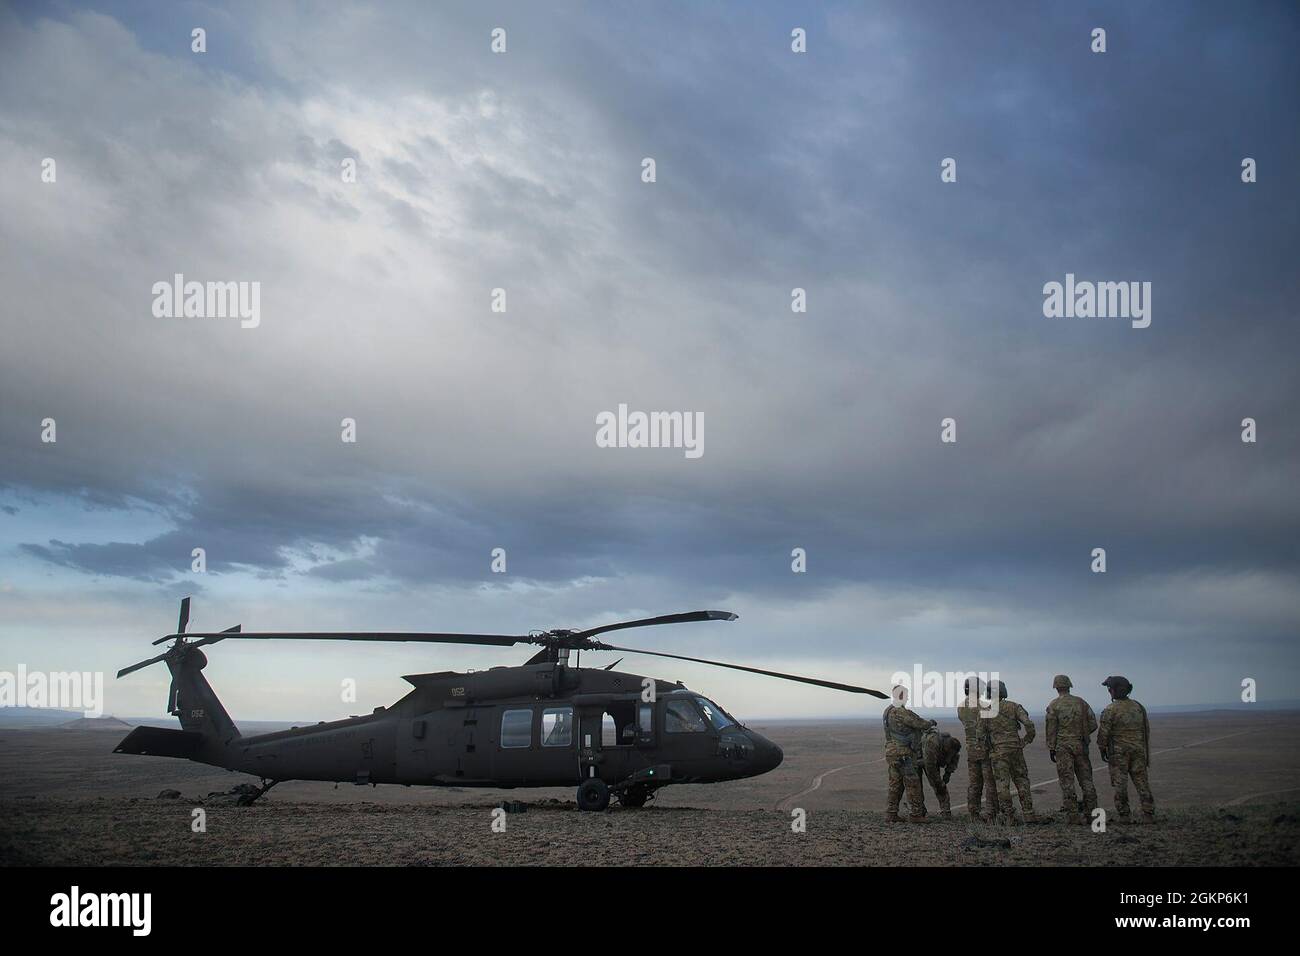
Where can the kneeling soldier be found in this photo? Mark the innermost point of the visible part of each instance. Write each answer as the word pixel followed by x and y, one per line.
pixel 939 755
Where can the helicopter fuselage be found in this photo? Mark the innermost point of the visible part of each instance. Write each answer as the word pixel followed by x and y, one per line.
pixel 540 724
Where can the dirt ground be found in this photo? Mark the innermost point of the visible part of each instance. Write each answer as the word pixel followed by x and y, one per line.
pixel 1227 787
pixel 141 831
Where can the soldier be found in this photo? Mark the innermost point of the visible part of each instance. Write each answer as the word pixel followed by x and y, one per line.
pixel 1070 721
pixel 939 755
pixel 981 792
pixel 1125 743
pixel 903 731
pixel 1008 756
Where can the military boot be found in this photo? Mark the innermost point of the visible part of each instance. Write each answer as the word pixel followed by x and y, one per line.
pixel 1148 817
pixel 891 816
pixel 917 819
pixel 975 817
pixel 946 814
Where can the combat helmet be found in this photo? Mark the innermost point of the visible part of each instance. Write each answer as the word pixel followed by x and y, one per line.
pixel 1062 682
pixel 1121 686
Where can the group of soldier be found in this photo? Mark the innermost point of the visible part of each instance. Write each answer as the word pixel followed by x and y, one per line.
pixel 916 750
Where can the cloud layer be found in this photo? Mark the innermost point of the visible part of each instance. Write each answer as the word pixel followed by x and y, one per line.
pixel 476 429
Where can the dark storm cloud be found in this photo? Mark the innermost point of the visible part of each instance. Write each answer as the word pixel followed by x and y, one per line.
pixel 774 171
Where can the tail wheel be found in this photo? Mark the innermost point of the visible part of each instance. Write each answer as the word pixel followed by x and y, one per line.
pixel 634 797
pixel 593 795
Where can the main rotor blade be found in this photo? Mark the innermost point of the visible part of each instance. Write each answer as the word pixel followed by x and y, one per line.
pixel 135 667
pixel 685 618
pixel 851 688
pixel 185 615
pixel 498 640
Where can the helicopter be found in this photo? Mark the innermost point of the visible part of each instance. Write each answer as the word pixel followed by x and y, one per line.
pixel 543 723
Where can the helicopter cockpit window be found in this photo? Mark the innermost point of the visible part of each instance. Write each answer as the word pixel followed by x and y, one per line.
pixel 717 718
pixel 681 717
pixel 557 727
pixel 517 728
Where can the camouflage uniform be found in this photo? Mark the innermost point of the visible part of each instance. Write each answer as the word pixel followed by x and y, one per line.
pixel 980 788
pixel 940 753
pixel 1070 722
pixel 903 731
pixel 1125 742
pixel 1008 756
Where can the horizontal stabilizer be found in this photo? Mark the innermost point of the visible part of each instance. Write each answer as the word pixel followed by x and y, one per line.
pixel 160 742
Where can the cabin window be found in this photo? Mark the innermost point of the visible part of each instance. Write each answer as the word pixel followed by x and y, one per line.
pixel 618 724
pixel 517 728
pixel 719 719
pixel 681 717
pixel 557 727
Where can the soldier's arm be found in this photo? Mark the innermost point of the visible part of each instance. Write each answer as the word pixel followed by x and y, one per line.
pixel 1103 730
pixel 909 719
pixel 1022 715
pixel 1089 718
pixel 1146 733
pixel 1051 727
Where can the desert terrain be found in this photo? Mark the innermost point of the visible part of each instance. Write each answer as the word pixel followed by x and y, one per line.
pixel 1227 787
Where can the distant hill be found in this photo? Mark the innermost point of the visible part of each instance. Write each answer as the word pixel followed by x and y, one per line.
pixel 33 718
pixel 1173 710
pixel 36 716
pixel 96 723
pixel 1236 707
pixel 1233 705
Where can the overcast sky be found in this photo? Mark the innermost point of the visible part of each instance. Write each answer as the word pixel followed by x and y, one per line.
pixel 476 430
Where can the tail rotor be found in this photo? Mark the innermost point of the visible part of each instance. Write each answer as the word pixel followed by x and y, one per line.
pixel 180 649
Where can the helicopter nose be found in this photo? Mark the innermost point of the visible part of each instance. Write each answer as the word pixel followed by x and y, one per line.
pixel 767 755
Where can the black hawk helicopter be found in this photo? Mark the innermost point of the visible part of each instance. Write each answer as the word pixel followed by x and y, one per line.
pixel 539 724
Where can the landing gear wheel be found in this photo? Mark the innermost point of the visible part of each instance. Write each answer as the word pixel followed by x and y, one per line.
pixel 593 795
pixel 633 797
